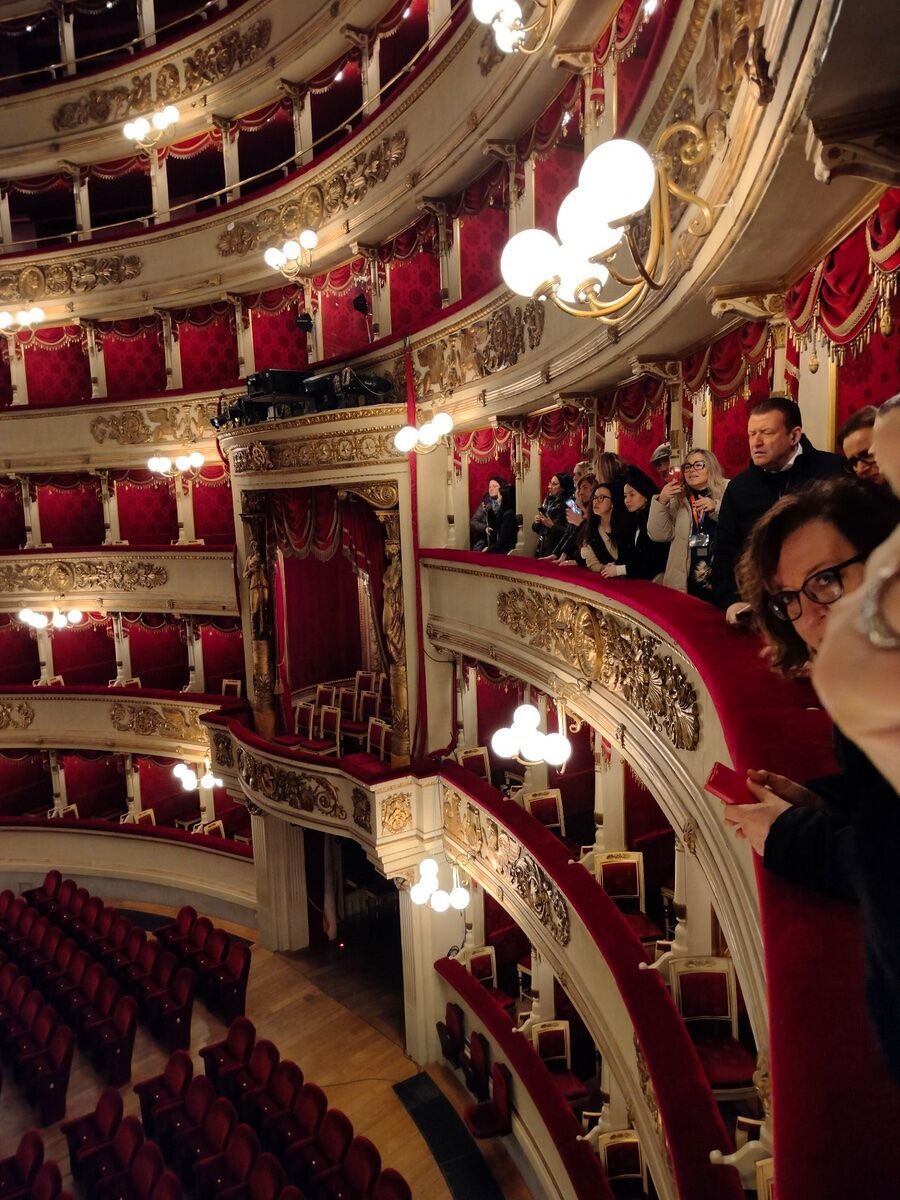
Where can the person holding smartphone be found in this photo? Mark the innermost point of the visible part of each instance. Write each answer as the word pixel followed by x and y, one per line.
pixel 685 514
pixel 568 550
pixel 550 519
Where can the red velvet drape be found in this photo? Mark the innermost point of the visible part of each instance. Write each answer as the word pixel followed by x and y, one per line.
pixel 159 656
pixel 277 342
pixel 57 369
pixel 871 376
pixel 322 619
pixel 134 360
pixel 497 701
pixel 19 659
pixel 85 654
pixel 344 330
pixel 70 511
pixel 213 512
pixel 95 782
pixel 559 456
pixel 12 517
pixel 223 656
pixel 482 237
pixel 147 510
pixel 25 783
pixel 209 353
pixel 554 177
pixel 729 428
pixel 415 291
pixel 637 442
pixel 635 71
pixel 6 392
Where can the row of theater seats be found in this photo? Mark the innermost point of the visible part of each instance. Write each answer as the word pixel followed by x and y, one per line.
pixel 222 963
pixel 251 1128
pixel 26 1176
pixel 342 719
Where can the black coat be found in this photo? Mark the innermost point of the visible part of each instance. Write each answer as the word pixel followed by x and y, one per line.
pixel 550 536
pixel 643 558
pixel 747 497
pixel 502 531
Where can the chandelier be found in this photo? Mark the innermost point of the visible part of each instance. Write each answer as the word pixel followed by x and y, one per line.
pixel 184 464
pixel 293 256
pixel 190 780
pixel 511 33
pixel 146 131
pixel 623 201
pixel 527 744
pixel 427 888
pixel 25 318
pixel 58 619
pixel 426 436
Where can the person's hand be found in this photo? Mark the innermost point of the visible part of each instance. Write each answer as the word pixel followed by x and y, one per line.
pixel 542 519
pixel 734 613
pixel 670 491
pixel 786 789
pixel 705 504
pixel 753 821
pixel 574 518
pixel 567 562
pixel 608 571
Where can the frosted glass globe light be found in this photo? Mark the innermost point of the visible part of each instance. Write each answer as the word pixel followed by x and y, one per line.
pixel 557 749
pixel 171 113
pixel 164 464
pixel 526 716
pixel 575 270
pixel 74 616
pixel 141 127
pixel 578 225
pixel 507 39
pixel 428 435
pixel 195 458
pixel 532 749
pixel 528 260
pixel 505 743
pixel 405 439
pixel 128 130
pixel 440 900
pixel 274 258
pixel 189 781
pixel 620 175
pixel 35 315
pixel 418 893
pixel 309 239
pixel 442 422
pixel 291 250
pixel 183 463
pixel 40 620
pixel 179 770
pixel 485 10
pixel 158 120
pixel 23 316
pixel 207 779
pixel 428 868
pixel 58 620
pixel 25 615
pixel 459 898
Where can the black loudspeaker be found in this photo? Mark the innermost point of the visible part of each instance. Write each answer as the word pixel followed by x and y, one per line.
pixel 304 322
pixel 361 304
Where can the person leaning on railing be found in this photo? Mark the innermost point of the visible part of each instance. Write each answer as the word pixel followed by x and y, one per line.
pixel 840 834
pixel 478 525
pixel 550 519
pixel 685 514
pixel 502 528
pixel 639 557
pixel 568 549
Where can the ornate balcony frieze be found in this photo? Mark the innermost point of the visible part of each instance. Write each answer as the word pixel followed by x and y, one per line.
pixel 76 276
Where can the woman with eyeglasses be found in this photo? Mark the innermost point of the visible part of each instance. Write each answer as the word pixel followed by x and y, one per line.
pixel 685 515
pixel 840 835
pixel 604 531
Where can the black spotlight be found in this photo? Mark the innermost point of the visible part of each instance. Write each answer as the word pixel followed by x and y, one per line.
pixel 361 304
pixel 304 322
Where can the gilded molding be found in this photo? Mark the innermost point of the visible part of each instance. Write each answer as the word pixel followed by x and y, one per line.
pixel 652 1103
pixel 168 423
pixel 308 207
pixel 362 446
pixel 362 809
pixel 379 495
pixel 68 277
pixel 396 813
pixel 611 650
pixel 484 839
pixel 223 751
pixel 295 789
pixel 119 574
pixel 16 716
pixel 148 720
pixel 478 349
pixel 173 80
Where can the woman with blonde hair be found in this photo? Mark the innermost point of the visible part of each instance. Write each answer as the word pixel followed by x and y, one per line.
pixel 685 514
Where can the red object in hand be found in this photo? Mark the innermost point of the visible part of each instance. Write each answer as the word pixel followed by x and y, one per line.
pixel 676 476
pixel 729 786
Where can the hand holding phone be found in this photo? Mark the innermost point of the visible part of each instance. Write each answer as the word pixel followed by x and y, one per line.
pixel 729 786
pixel 676 476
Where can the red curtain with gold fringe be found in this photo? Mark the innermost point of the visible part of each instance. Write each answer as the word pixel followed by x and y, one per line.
pixel 57 368
pixel 146 506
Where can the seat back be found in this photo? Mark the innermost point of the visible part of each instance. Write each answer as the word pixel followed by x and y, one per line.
pixel 362 1165
pixel 108 1113
pixel 330 722
pixel 390 1186
pixel 481 962
pixel 197 1099
pixel 18 993
pixel 6 898
pixel 335 1135
pixel 218 1123
pixel 105 921
pixel 183 987
pixel 286 1081
pixel 105 1000
pixel 373 736
pixel 705 993
pixel 164 968
pixel 263 1061
pixel 93 978
pixel 237 964
pixel 621 875
pixel 118 932
pixel 474 759
pixel 38 932
pixel 134 943
pixel 501 1094
pixel 78 965
pixel 309 1108
pixel 546 806
pixel 149 953
pixel 47 1183
pixel 178 1073
pixel 61 1049
pixel 65 952
pixel 304 715
pixel 14 914
pixel 217 944
pixel 146 1167
pixel 241 1151
pixel 168 1187
pixel 44 1026
pixel 621 1157
pixel 367 705
pixel 185 919
pixel 91 912
pixel 240 1039
pixel 477 1072
pixel 29 1156
pixel 200 931
pixel 125 1016
pixel 79 899
pixel 8 976
pixel 346 702
pixel 128 1139
pixel 51 942
pixel 324 695
pixel 31 1005
pixel 551 1040
pixel 266 1179
pixel 66 891
pixel 364 682
pixel 51 884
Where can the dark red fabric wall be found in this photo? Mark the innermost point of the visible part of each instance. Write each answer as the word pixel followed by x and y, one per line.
pixel 25 783
pixel 870 377
pixel 12 517
pixel 19 661
pixel 71 516
pixel 84 654
pixel 322 612
pixel 159 656
pixel 637 443
pixel 482 237
pixel 147 515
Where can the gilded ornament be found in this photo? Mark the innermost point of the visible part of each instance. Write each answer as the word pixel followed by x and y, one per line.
pixel 222 748
pixel 205 66
pixel 311 205
pixel 58 576
pixel 169 423
pixel 379 495
pixel 338 450
pixel 396 813
pixel 689 835
pixel 293 788
pixel 614 652
pixel 362 809
pixel 16 716
pixel 651 1101
pixel 147 720
pixel 480 349
pixel 68 277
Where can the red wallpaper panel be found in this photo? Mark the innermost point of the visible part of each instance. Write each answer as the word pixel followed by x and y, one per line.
pixel 57 375
pixel 277 342
pixel 870 377
pixel 25 783
pixel 213 513
pixel 729 428
pixel 636 443
pixel 19 661
pixel 159 657
pixel 481 241
pixel 496 705
pixel 209 353
pixel 480 473
pixel 71 516
pixel 559 458
pixel 135 366
pixel 95 783
pixel 344 330
pixel 415 291
pixel 554 177
pixel 147 515
pixel 84 654
pixel 223 657
pixel 12 517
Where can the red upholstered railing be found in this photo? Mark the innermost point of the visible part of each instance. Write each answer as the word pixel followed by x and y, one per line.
pixel 691 1119
pixel 581 1163
pixel 200 841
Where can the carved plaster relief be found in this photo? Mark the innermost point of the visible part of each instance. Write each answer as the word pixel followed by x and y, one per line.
pixel 170 423
pixel 67 277
pixel 82 575
pixel 150 720
pixel 295 789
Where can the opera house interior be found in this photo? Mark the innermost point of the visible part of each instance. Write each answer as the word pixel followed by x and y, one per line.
pixel 309 314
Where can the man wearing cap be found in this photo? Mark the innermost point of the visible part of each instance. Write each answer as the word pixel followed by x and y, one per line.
pixel 659 460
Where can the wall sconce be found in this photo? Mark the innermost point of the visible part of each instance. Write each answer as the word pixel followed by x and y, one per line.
pixel 426 436
pixel 427 888
pixel 529 745
pixel 184 464
pixel 190 780
pixel 146 132
pixel 58 619
pixel 293 256
pixel 510 32
pixel 25 318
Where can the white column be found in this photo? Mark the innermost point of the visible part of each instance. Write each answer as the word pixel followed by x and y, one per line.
pixel 109 500
pixel 536 777
pixel 450 537
pixel 615 1110
pixel 159 186
pixel 207 803
pixel 438 15
pixel 697 902
pixel 123 649
pixel 381 300
pixel 45 654
pixel 278 859
pixel 95 358
pixel 82 203
pixel 601 766
pixel 521 211
pixel 779 354
pixel 529 496
pixel 600 127
pixel 451 269
pixel 32 516
pixel 171 349
pixel 702 421
pixel 302 120
pixel 64 15
pixel 370 69
pixel 229 156
pixel 817 396
pixel 246 355
pixel 469 698
pixel 17 376
pixel 425 936
pixel 196 671
pixel 184 507
pixel 58 778
pixel 6 235
pixel 542 989
pixel 132 786
pixel 315 338
pixel 146 16
pixel 613 801
pixel 459 494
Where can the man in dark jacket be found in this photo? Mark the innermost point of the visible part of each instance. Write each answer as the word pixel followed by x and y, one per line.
pixel 782 460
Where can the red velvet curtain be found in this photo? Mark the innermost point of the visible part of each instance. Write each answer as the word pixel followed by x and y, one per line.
pixel 277 342
pixel 147 511
pixel 554 177
pixel 638 441
pixel 872 375
pixel 70 511
pixel 363 545
pixel 415 291
pixel 637 65
pixel 338 105
pixel 344 330
pixel 497 700
pixel 223 656
pixel 213 512
pixel 729 427
pixel 57 369
pixel 208 344
pixel 159 655
pixel 134 358
pixel 12 517
pixel 95 782
pixel 159 785
pixel 396 50
pixel 85 655
pixel 25 783
pixel 322 619
pixel 19 659
pixel 482 237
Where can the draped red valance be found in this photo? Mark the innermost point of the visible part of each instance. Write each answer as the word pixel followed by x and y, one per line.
pixel 557 426
pixel 152 621
pixel 252 122
pixel 479 445
pixel 209 139
pixel 327 77
pixel 39 184
pixel 134 164
pixel 129 327
pixel 341 279
pixel 841 299
pixel 728 365
pixel 617 43
pixel 202 314
pixel 421 235
pixel 550 126
pixel 489 190
pixel 633 403
pixel 274 300
pixel 51 337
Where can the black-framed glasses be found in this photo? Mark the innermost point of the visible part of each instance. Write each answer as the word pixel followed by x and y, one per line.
pixel 865 458
pixel 822 587
pixel 695 466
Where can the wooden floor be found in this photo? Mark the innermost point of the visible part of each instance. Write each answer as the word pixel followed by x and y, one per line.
pixel 354 1059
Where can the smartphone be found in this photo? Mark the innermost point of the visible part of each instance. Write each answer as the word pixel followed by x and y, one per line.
pixel 729 785
pixel 573 507
pixel 676 475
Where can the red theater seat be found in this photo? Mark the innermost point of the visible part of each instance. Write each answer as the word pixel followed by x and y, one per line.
pixel 226 988
pixel 476 1067
pixel 18 1172
pixel 306 1160
pixel 138 1182
pixel 276 1097
pixel 94 1129
pixel 232 1052
pixel 185 1114
pixel 255 1074
pixel 451 1033
pixel 356 1176
pixel 112 1042
pixel 265 1181
pixel 231 1168
pixel 493 1117
pixel 113 1158
pixel 170 1019
pixel 705 993
pixel 390 1186
pixel 299 1123
pixel 179 928
pixel 207 1140
pixel 166 1088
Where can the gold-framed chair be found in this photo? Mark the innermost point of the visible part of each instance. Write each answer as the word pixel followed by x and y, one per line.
pixel 70 810
pixel 145 816
pixel 704 990
pixel 623 1161
pixel 621 875
pixel 765 1179
pixel 324 695
pixel 474 759
pixel 304 715
pixel 546 806
pixel 553 1046
pixel 232 687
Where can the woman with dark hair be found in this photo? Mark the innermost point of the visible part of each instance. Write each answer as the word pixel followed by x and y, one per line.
pixel 550 519
pixel 502 527
pixel 568 549
pixel 640 556
pixel 600 548
pixel 842 834
pixel 479 521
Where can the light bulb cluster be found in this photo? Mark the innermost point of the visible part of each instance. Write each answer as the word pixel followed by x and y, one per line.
pixel 161 464
pixel 190 780
pixel 526 742
pixel 147 131
pixel 291 257
pixel 24 318
pixel 58 619
pixel 427 889
pixel 505 18
pixel 615 184
pixel 410 438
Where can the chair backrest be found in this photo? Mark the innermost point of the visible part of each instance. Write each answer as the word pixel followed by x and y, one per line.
pixel 27 921
pixel 309 1108
pixel 78 965
pixel 474 759
pixel 146 816
pixel 367 705
pixel 481 962
pixel 119 931
pixel 93 978
pixel 107 995
pixel 8 976
pixel 52 939
pixel 44 1026
pixel 240 1039
pixel 705 993
pixel 218 1123
pixel 237 964
pixel 286 1081
pixel 91 912
pixel 65 952
pixel 29 1155
pixel 134 943
pixel 197 1099
pixel 263 1061
pixel 304 715
pixel 47 1183
pixel 478 1059
pixel 335 1135
pixel 362 1165
pixel 501 1093
pixel 217 945
pixel 266 1179
pixel 164 968
pixel 146 1168
pixel 108 1113
pixel 621 1157
pixel 67 890
pixel 346 702
pixel 168 1187
pixel 38 932
pixel 373 736
pixel 6 898
pixel 330 722
pixel 14 913
pixel 455 1022
pixel 546 806
pixel 200 931
pixel 551 1041
pixel 79 899
pixel 183 987
pixel 21 986
pixel 105 922
pixel 390 1186
pixel 125 1016
pixel 242 1151
pixel 128 1139
pixel 324 694
pixel 51 883
pixel 621 875
pixel 30 1007
pixel 178 1073
pixel 185 919
pixel 149 953
pixel 364 682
